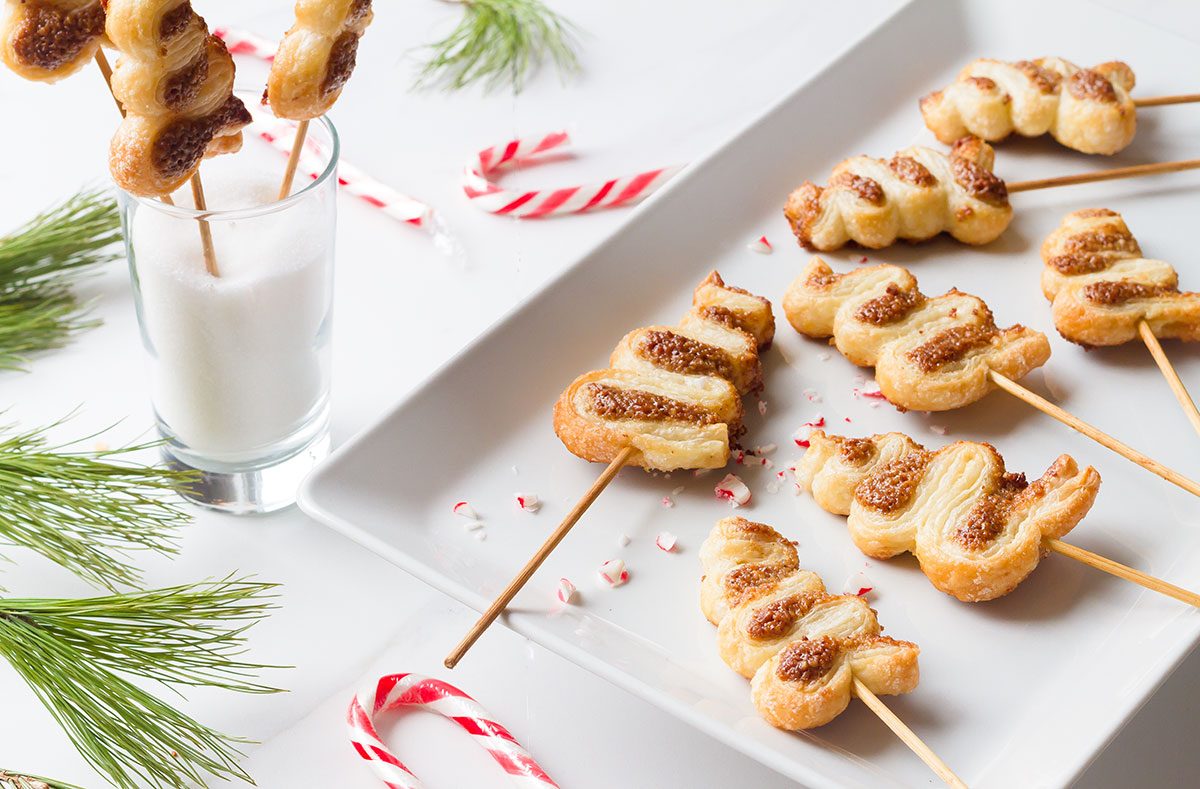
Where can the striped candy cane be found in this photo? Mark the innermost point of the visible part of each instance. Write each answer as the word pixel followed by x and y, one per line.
pixel 413 690
pixel 243 42
pixel 487 195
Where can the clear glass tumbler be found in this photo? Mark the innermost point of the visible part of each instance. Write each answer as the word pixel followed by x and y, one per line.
pixel 240 362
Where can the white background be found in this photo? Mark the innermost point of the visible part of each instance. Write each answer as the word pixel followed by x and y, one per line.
pixel 663 82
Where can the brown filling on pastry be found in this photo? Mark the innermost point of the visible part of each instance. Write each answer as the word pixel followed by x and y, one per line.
pixel 867 189
pixel 979 182
pixel 683 355
pixel 1101 241
pixel 175 21
pixel 609 402
pixel 889 488
pixel 1045 80
pixel 49 37
pixel 893 305
pixel 807 660
pixel 911 171
pixel 857 451
pixel 184 85
pixel 950 345
pixel 777 618
pixel 748 581
pixel 342 57
pixel 985 522
pixel 1112 293
pixel 1088 84
pixel 1083 263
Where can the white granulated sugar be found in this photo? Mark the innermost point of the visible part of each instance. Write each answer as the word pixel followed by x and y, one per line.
pixel 241 360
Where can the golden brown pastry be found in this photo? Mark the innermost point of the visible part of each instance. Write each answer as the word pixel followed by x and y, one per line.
pixel 1100 287
pixel 316 57
pixel 929 353
pixel 800 647
pixel 915 195
pixel 673 393
pixel 175 81
pixel 1086 109
pixel 46 40
pixel 976 529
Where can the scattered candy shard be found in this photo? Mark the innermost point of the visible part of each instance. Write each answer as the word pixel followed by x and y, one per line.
pixel 665 541
pixel 622 540
pixel 613 572
pixel 668 502
pixel 733 490
pixel 528 502
pixel 466 510
pixel 566 591
pixel 858 584
pixel 761 245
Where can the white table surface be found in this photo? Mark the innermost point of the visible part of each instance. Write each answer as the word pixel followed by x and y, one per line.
pixel 664 82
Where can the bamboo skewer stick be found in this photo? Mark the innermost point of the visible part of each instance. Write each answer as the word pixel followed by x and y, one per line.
pixel 289 174
pixel 510 591
pixel 1121 571
pixel 907 735
pixel 1105 175
pixel 1168 370
pixel 1160 101
pixel 206 242
pixel 1097 435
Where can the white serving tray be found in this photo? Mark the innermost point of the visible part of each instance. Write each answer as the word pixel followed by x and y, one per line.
pixel 1023 691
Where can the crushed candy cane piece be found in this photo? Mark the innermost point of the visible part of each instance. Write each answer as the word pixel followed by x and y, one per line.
pixel 622 540
pixel 817 421
pixel 733 490
pixel 846 419
pixel 528 502
pixel 613 572
pixel 812 395
pixel 700 472
pixel 515 471
pixel 677 491
pixel 824 356
pixel 466 510
pixel 668 502
pixel 473 525
pixel 761 245
pixel 665 541
pixel 858 584
pixel 566 591
pixel 765 449
pixel 762 407
pixel 481 535
pixel 941 430
pixel 863 259
pixel 803 443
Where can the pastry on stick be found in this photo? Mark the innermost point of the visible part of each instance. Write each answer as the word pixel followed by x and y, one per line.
pixel 929 353
pixel 672 393
pixel 915 195
pixel 175 81
pixel 1087 109
pixel 47 40
pixel 1100 287
pixel 977 530
pixel 801 647
pixel 316 57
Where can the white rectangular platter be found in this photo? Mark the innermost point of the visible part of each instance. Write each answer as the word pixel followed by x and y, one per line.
pixel 1023 691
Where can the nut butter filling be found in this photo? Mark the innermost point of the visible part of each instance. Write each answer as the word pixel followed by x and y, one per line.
pixel 342 58
pixel 1102 241
pixel 1088 84
pixel 889 488
pixel 175 21
pixel 183 85
pixel 750 581
pixel 1113 293
pixel 1083 263
pixel 777 618
pixel 950 345
pixel 893 305
pixel 867 189
pixel 49 38
pixel 979 182
pixel 985 522
pixel 857 451
pixel 807 660
pixel 724 316
pixel 679 354
pixel 911 171
pixel 610 402
pixel 1045 80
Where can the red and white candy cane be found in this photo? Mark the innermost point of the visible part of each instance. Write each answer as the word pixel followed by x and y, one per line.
pixel 243 42
pixel 486 194
pixel 413 690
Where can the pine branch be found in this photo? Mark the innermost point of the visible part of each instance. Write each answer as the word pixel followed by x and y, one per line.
pixel 38 264
pixel 501 42
pixel 10 779
pixel 86 510
pixel 73 653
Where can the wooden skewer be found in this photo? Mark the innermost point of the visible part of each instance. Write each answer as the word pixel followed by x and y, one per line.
pixel 1105 175
pixel 206 242
pixel 289 174
pixel 1097 435
pixel 531 566
pixel 1168 370
pixel 1121 571
pixel 907 735
pixel 1159 101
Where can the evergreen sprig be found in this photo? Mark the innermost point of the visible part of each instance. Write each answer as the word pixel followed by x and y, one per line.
pixel 500 42
pixel 10 779
pixel 85 510
pixel 75 655
pixel 38 264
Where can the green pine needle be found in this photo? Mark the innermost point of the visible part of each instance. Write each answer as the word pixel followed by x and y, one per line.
pixel 85 510
pixel 73 653
pixel 501 42
pixel 38 264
